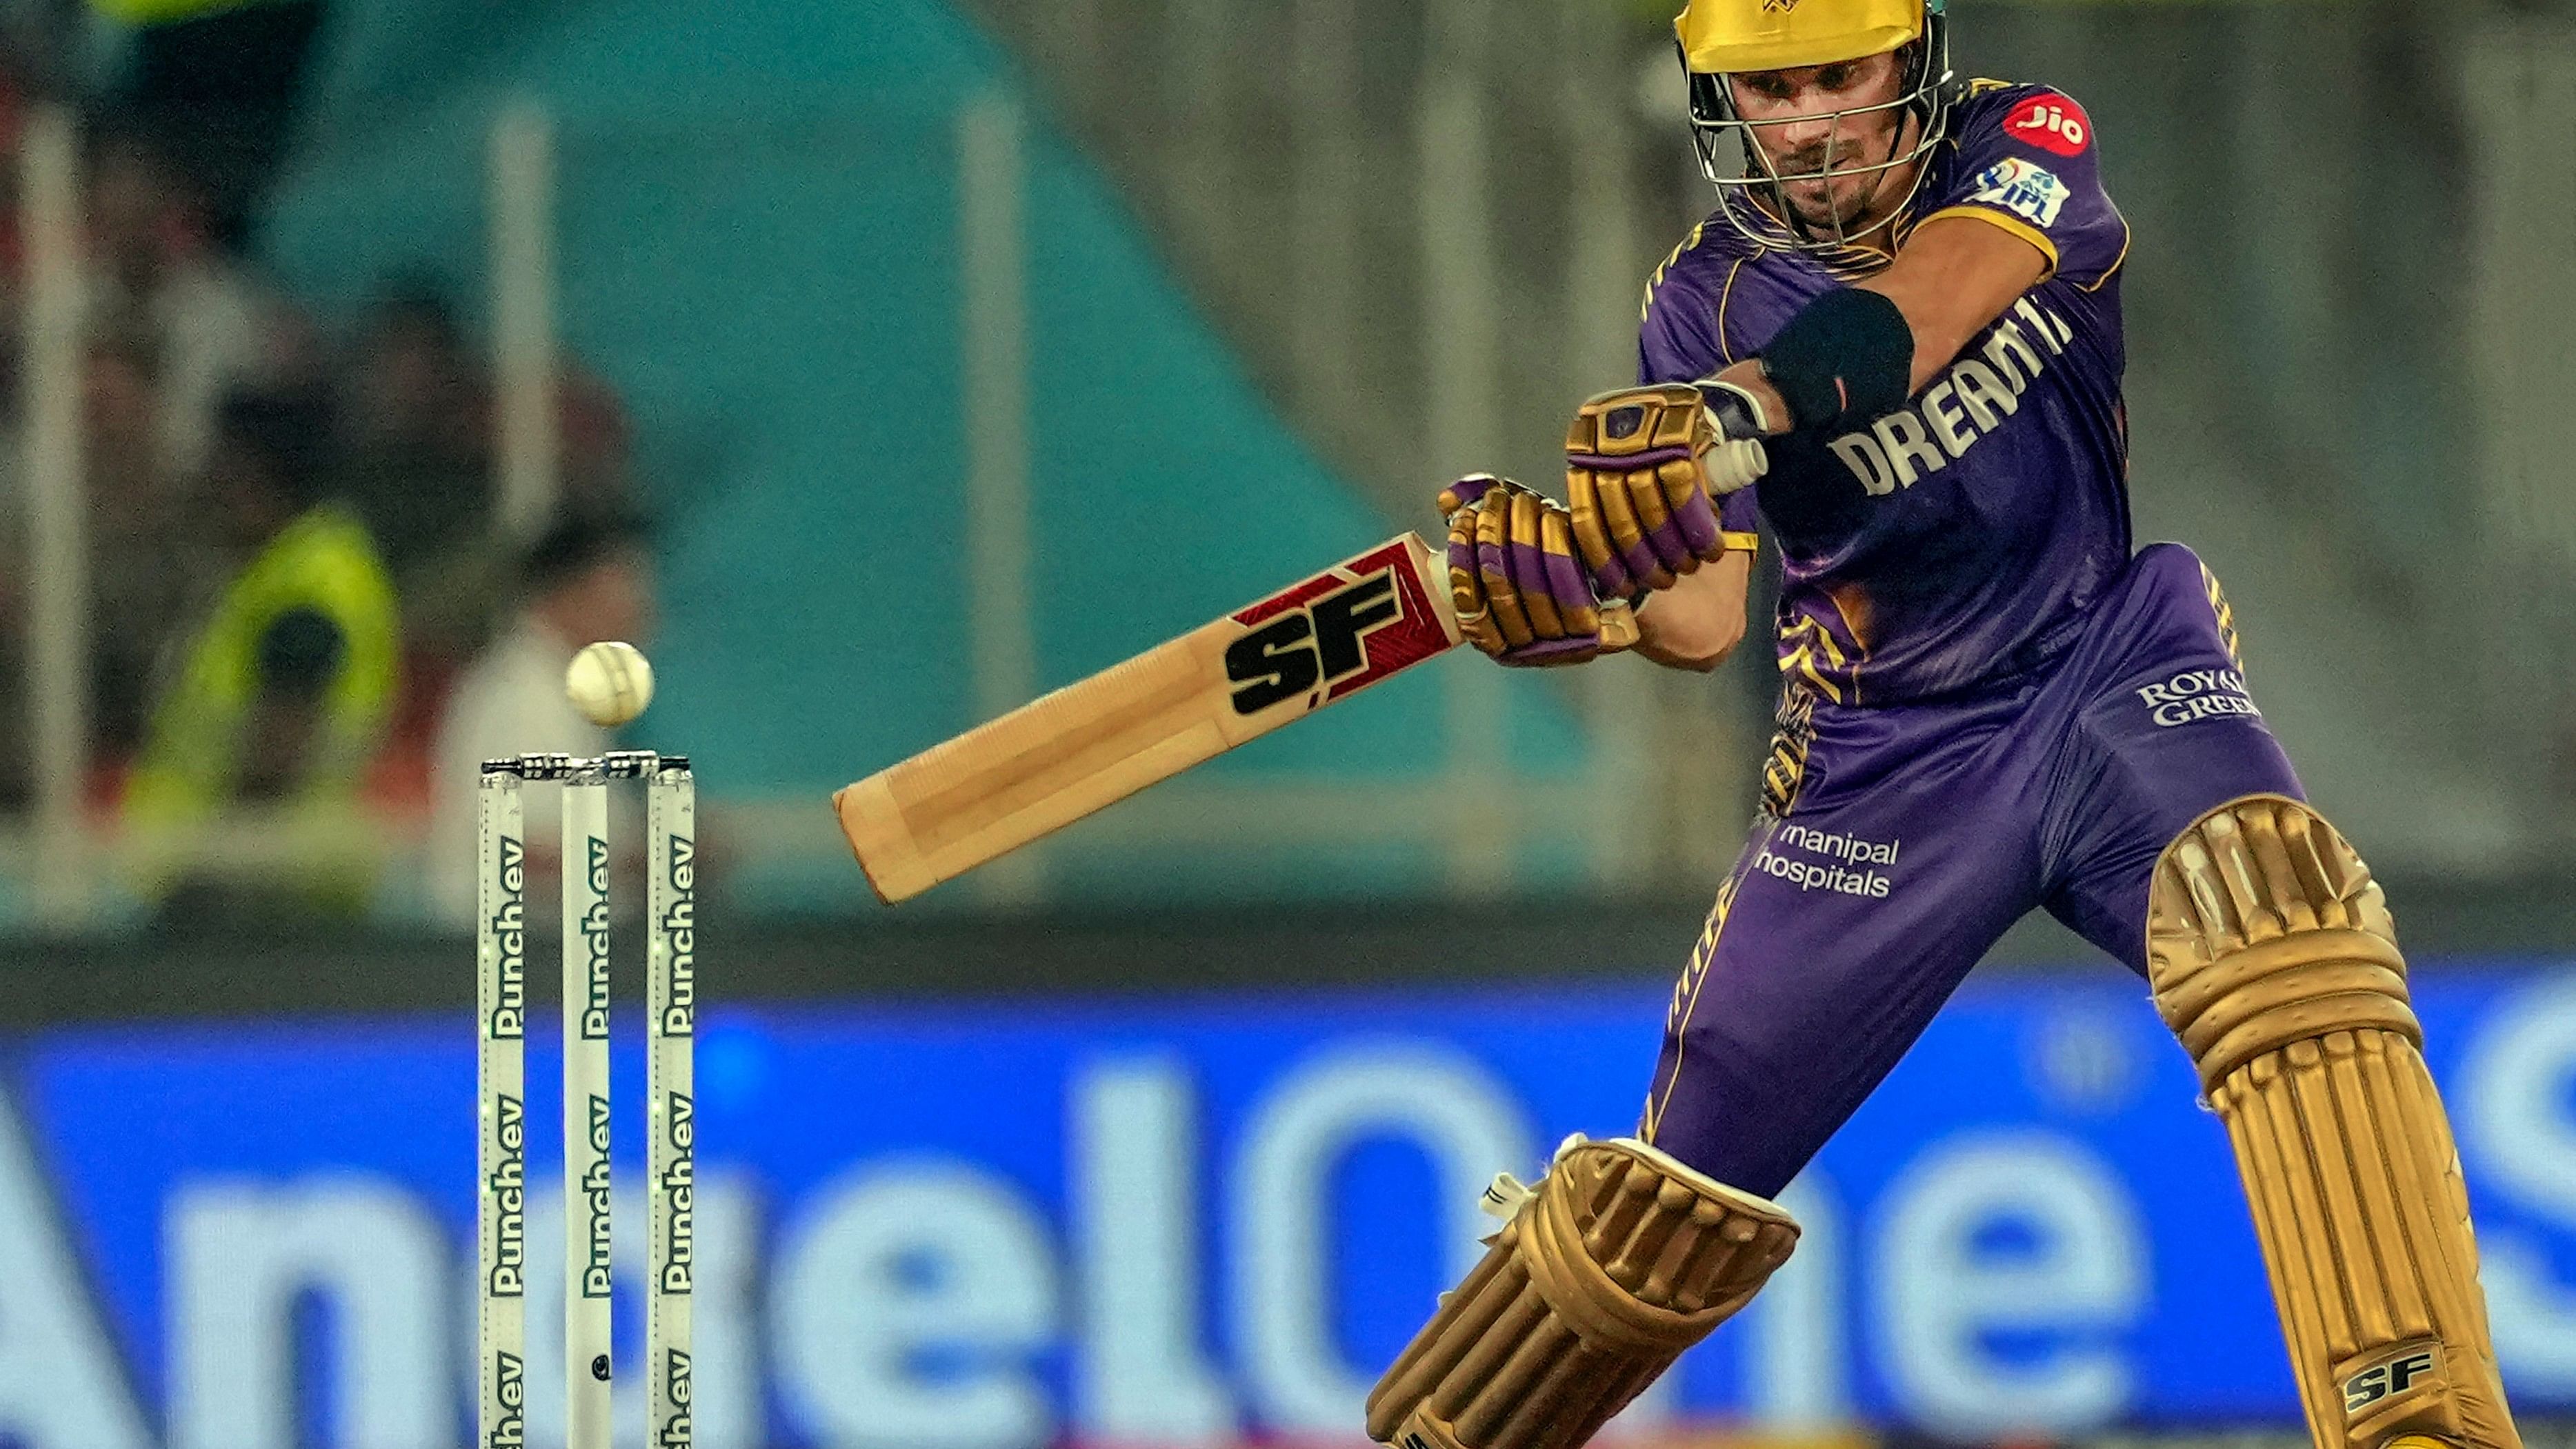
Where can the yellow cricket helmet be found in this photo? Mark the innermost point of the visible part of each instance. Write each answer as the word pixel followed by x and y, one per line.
pixel 1721 39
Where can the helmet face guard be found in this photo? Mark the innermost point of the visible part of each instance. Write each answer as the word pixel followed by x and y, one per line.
pixel 1718 128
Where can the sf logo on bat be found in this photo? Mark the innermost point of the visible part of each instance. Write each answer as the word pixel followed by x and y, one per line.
pixel 1333 634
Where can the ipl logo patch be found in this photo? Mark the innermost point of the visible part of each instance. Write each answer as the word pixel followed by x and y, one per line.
pixel 2028 191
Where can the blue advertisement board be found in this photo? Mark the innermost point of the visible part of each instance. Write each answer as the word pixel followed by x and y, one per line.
pixel 1181 1222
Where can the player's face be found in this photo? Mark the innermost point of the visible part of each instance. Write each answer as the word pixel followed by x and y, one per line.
pixel 1818 134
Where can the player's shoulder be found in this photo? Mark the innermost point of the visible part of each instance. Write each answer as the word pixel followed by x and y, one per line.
pixel 2028 113
pixel 1695 271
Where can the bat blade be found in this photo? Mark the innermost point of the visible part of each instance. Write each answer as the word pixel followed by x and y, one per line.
pixel 1093 743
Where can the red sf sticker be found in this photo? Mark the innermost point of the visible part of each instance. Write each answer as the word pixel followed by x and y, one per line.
pixel 2052 123
pixel 1335 634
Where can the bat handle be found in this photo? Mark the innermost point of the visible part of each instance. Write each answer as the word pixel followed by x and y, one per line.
pixel 1619 628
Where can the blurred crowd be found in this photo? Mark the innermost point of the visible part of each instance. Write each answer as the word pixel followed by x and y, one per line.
pixel 293 556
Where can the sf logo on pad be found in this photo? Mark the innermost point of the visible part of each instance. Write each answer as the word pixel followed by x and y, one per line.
pixel 2387 1380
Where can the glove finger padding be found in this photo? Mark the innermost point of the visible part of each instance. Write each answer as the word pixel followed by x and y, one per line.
pixel 1637 472
pixel 1493 532
pixel 1520 594
pixel 1465 492
pixel 1592 535
pixel 1619 1261
pixel 1619 521
pixel 1528 565
pixel 1694 513
pixel 1663 537
pixel 1467 583
pixel 1576 608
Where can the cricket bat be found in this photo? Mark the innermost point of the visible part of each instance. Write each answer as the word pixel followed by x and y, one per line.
pixel 1095 742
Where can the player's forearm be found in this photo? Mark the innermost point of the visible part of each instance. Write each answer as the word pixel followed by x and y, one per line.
pixel 1955 276
pixel 1697 622
pixel 1939 333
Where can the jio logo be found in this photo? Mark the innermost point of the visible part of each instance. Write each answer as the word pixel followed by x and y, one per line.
pixel 2051 122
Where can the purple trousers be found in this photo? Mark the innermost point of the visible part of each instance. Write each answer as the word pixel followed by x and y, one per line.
pixel 1915 834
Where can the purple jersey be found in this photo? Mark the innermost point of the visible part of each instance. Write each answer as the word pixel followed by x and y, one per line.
pixel 2000 509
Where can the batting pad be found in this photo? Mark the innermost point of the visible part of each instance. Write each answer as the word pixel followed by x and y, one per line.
pixel 2274 959
pixel 1619 1260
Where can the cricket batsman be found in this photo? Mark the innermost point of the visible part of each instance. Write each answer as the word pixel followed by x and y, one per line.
pixel 1908 303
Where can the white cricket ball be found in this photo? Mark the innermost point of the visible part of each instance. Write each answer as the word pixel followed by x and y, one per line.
pixel 610 683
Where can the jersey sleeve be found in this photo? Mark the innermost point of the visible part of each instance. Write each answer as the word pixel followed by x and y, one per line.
pixel 2028 163
pixel 1678 339
pixel 1681 340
